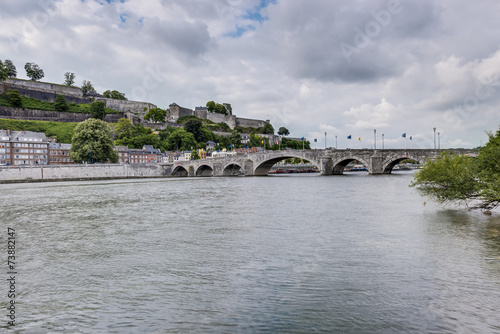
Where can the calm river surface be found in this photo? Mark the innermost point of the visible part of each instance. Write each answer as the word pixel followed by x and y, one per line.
pixel 277 254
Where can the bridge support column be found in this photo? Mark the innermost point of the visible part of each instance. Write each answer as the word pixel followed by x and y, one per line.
pixel 375 165
pixel 326 166
pixel 191 171
pixel 248 168
pixel 218 169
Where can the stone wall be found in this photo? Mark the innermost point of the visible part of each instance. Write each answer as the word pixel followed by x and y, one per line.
pixel 80 172
pixel 43 92
pixel 247 122
pixel 52 116
pixel 135 107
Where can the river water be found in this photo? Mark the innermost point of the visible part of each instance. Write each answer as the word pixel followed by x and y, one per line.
pixel 277 254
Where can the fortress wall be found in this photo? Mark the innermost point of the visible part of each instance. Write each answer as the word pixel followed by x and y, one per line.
pixel 135 107
pixel 57 89
pixel 79 172
pixel 247 122
pixel 52 116
pixel 40 93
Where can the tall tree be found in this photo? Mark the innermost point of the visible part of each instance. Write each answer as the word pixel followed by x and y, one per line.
pixel 69 78
pixel 210 106
pixel 12 71
pixel 194 126
pixel 282 131
pixel 97 110
pixel 15 98
pixel 473 182
pixel 93 141
pixel 156 115
pixel 4 72
pixel 235 138
pixel 87 87
pixel 33 71
pixel 268 129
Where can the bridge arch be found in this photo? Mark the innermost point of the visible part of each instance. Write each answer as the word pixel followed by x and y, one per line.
pixel 232 169
pixel 204 170
pixel 263 167
pixel 393 160
pixel 339 165
pixel 179 171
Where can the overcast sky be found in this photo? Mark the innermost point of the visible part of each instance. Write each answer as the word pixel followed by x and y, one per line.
pixel 343 67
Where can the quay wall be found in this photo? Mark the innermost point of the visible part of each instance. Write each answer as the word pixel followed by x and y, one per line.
pixel 9 174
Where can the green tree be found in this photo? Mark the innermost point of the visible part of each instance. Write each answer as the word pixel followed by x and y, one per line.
pixel 195 127
pixel 235 138
pixel 470 181
pixel 156 115
pixel 12 71
pixel 182 140
pixel 87 87
pixel 124 128
pixel 195 155
pixel 114 94
pixel 283 131
pixel 69 78
pixel 220 109
pixel 268 129
pixel 210 106
pixel 33 71
pixel 4 71
pixel 449 178
pixel 97 110
pixel 228 108
pixel 93 141
pixel 15 98
pixel 61 104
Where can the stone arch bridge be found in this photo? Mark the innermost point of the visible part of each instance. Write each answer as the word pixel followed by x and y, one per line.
pixel 329 161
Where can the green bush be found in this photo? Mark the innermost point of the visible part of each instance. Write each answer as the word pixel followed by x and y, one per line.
pixel 15 99
pixel 60 104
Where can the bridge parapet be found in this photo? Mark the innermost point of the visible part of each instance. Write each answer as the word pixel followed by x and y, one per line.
pixel 329 161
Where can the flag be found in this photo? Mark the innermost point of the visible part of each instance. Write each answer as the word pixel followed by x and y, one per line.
pixel 277 143
pixel 404 135
pixel 359 138
pixel 411 138
pixel 315 140
pixel 349 137
pixel 230 145
pixel 262 142
pixel 302 138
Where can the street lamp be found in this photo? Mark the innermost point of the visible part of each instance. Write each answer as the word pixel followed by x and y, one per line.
pixel 374 139
pixel 439 142
pixel 325 140
pixel 434 137
pixel 335 141
pixel 382 141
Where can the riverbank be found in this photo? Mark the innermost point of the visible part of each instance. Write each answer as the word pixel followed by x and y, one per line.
pixel 46 173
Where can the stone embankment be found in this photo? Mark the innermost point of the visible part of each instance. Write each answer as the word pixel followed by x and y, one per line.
pixel 11 174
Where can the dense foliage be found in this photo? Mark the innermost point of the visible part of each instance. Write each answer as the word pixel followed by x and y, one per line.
pixel 114 94
pixel 60 104
pixel 33 71
pixel 11 69
pixel 156 115
pixel 470 181
pixel 87 87
pixel 97 110
pixel 4 71
pixel 282 131
pixel 224 108
pixel 93 142
pixel 14 98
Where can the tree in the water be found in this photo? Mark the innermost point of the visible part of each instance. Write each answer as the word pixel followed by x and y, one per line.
pixel 470 181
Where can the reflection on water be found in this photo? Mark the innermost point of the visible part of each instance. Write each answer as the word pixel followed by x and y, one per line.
pixel 289 254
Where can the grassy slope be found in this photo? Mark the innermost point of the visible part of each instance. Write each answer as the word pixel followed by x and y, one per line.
pixel 62 131
pixel 30 103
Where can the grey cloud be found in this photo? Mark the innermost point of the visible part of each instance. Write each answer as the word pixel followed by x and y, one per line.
pixel 189 38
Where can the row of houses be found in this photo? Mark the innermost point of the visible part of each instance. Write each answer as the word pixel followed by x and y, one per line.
pixel 34 148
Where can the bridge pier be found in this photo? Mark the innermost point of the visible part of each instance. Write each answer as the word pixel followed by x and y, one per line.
pixel 326 165
pixel 376 166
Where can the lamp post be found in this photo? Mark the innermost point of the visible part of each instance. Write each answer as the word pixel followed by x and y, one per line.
pixel 335 141
pixel 382 141
pixel 434 137
pixel 439 142
pixel 325 140
pixel 374 139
